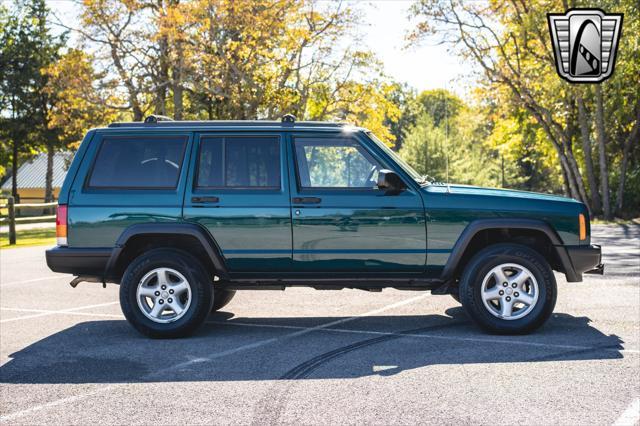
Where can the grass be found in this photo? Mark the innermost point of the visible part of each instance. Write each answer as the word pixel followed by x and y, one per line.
pixel 30 237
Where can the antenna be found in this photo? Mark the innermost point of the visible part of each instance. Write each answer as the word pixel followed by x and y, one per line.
pixel 446 134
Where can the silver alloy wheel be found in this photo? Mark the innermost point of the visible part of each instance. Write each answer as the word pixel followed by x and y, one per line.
pixel 509 291
pixel 163 295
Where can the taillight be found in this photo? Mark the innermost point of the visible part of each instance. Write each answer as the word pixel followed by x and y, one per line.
pixel 583 227
pixel 61 225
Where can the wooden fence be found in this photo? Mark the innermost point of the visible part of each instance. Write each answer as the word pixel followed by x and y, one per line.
pixel 12 219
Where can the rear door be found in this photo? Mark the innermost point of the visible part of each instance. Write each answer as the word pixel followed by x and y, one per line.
pixel 239 191
pixel 341 221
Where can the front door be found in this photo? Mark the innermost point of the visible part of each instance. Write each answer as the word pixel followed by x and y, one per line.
pixel 342 222
pixel 240 192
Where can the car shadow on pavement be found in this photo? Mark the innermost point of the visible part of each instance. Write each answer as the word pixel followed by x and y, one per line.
pixel 228 348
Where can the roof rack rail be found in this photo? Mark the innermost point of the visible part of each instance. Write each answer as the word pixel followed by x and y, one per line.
pixel 155 122
pixel 153 118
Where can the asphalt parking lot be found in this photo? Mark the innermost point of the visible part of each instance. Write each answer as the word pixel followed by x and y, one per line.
pixel 303 356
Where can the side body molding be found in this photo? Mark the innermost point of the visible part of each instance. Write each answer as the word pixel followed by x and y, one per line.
pixel 508 223
pixel 170 229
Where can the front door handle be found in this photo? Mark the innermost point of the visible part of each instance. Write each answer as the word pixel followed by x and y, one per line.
pixel 306 200
pixel 204 199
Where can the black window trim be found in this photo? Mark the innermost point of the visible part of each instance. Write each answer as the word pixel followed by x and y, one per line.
pixel 332 189
pixel 86 187
pixel 196 172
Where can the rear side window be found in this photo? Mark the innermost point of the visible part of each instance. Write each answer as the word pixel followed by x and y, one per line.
pixel 139 163
pixel 239 162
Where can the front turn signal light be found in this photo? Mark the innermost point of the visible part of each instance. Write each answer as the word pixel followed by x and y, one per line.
pixel 583 227
pixel 61 225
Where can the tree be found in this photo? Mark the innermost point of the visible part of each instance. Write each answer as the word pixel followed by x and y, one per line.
pixel 440 104
pixel 71 106
pixel 123 39
pixel 455 149
pixel 224 59
pixel 409 109
pixel 26 48
pixel 426 148
pixel 509 43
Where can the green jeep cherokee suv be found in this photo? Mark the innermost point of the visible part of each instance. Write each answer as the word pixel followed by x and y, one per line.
pixel 182 214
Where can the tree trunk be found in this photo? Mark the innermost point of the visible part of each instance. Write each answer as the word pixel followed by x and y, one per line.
pixel 163 78
pixel 632 139
pixel 596 203
pixel 177 82
pixel 604 172
pixel 132 92
pixel 570 175
pixel 48 179
pixel 565 182
pixel 570 186
pixel 575 171
pixel 14 168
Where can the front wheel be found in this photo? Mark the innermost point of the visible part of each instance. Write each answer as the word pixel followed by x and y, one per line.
pixel 508 289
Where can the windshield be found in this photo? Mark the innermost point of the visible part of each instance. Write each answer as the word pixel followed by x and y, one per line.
pixel 403 164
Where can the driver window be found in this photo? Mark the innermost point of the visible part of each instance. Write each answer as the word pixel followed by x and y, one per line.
pixel 335 163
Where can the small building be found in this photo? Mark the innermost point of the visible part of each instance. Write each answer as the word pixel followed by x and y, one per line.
pixel 32 175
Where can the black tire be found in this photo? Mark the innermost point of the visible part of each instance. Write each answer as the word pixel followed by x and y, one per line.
pixel 482 263
pixel 221 298
pixel 195 274
pixel 455 296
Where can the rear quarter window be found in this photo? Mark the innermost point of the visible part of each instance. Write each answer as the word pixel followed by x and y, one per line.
pixel 148 162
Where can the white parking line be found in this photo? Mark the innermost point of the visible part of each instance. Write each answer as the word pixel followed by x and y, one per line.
pixel 631 415
pixel 87 314
pixel 51 277
pixel 212 356
pixel 64 311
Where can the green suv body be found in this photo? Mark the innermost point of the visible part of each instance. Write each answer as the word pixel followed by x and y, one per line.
pixel 193 211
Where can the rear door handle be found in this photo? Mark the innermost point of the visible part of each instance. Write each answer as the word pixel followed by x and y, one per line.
pixel 204 199
pixel 306 200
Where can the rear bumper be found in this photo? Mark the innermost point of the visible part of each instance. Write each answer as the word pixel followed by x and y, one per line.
pixel 586 259
pixel 78 261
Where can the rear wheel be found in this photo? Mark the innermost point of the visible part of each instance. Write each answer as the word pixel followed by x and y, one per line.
pixel 508 289
pixel 221 298
pixel 166 293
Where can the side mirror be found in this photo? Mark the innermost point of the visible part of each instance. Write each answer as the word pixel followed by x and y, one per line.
pixel 390 182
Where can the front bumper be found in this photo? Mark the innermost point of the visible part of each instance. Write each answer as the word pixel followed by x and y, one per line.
pixel 586 259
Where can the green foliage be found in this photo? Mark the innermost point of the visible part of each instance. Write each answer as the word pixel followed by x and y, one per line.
pixel 426 148
pixel 440 104
pixel 454 150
